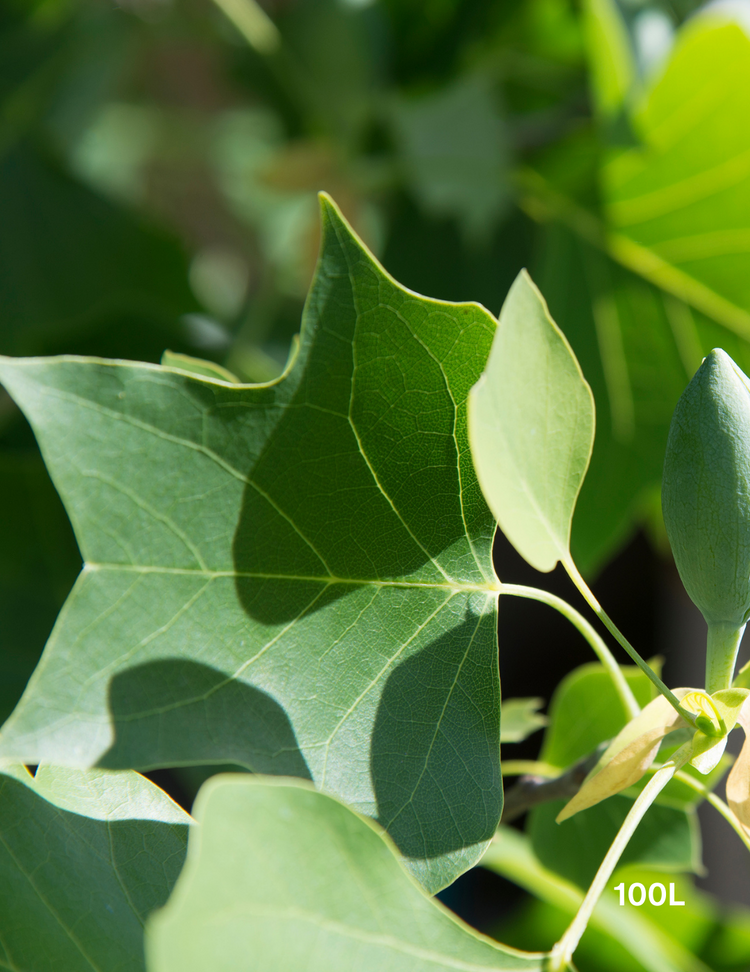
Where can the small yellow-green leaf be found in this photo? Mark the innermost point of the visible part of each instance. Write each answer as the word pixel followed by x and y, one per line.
pixel 520 719
pixel 707 751
pixel 627 758
pixel 531 428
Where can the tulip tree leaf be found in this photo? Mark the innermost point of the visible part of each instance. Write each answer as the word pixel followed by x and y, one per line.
pixel 679 203
pixel 531 426
pixel 270 570
pixel 275 880
pixel 85 857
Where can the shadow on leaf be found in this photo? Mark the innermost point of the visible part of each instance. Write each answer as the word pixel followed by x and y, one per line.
pixel 435 771
pixel 183 712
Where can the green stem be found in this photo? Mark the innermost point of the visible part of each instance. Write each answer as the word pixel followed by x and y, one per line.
pixel 601 651
pixel 530 767
pixel 561 954
pixel 721 654
pixel 596 607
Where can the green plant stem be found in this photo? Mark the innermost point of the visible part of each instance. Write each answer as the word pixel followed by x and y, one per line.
pixel 521 767
pixel 561 954
pixel 721 655
pixel 601 651
pixel 596 607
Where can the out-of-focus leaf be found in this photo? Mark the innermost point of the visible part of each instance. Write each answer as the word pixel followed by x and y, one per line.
pixel 454 153
pixel 69 259
pixel 679 205
pixel 622 330
pixel 531 428
pixel 693 923
pixel 667 838
pixel 264 582
pixel 85 857
pixel 610 56
pixel 511 856
pixel 276 879
pixel 521 718
pixel 586 710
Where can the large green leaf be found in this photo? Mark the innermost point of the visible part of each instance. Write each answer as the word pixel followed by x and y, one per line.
pixel 270 570
pixel 623 331
pixel 531 426
pixel 85 857
pixel 679 204
pixel 281 877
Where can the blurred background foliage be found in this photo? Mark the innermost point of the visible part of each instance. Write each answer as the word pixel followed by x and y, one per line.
pixel 159 163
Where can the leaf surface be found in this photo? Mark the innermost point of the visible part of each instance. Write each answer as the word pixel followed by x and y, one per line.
pixel 679 205
pixel 85 857
pixel 270 570
pixel 332 895
pixel 531 426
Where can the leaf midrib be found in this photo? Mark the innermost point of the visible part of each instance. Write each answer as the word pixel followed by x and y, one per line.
pixel 327 579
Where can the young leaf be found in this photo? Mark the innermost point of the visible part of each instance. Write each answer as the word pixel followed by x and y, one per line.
pixel 271 569
pixel 281 877
pixel 85 857
pixel 521 718
pixel 531 427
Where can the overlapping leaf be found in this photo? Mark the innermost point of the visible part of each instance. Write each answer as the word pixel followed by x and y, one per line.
pixel 531 426
pixel 293 576
pixel 85 857
pixel 276 879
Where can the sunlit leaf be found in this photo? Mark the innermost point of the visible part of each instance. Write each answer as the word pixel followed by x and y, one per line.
pixel 271 569
pixel 531 427
pixel 85 857
pixel 282 877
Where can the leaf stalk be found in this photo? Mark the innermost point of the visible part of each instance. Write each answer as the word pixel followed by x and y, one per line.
pixel 596 607
pixel 578 621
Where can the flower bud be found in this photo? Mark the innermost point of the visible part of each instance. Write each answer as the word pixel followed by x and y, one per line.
pixel 706 503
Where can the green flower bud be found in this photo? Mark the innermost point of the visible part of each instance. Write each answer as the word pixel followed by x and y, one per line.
pixel 706 503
